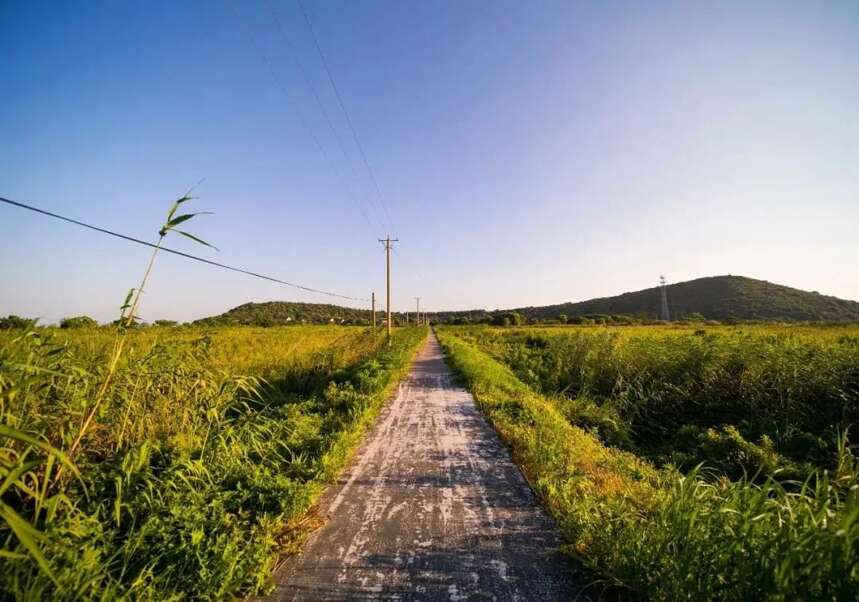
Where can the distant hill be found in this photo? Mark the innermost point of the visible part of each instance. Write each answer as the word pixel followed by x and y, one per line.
pixel 714 298
pixel 724 298
pixel 274 313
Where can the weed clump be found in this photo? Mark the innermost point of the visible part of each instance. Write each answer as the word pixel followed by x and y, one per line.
pixel 781 531
pixel 201 465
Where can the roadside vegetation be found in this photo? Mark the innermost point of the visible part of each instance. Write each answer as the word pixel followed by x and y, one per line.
pixel 684 463
pixel 168 463
pixel 201 466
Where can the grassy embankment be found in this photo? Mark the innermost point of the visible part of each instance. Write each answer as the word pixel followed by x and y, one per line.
pixel 599 401
pixel 203 462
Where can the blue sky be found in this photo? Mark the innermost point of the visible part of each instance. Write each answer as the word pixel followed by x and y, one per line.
pixel 527 152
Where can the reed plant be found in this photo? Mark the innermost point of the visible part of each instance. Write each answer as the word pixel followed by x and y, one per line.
pixel 32 468
pixel 652 533
pixel 742 399
pixel 128 314
pixel 174 463
pixel 201 466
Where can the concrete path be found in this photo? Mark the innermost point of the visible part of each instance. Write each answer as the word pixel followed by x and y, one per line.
pixel 432 509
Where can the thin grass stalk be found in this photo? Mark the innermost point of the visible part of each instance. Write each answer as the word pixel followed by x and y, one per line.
pixel 169 225
pixel 114 360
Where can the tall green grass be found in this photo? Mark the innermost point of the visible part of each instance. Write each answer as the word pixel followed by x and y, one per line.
pixel 187 471
pixel 659 534
pixel 744 399
pixel 129 317
pixel 201 464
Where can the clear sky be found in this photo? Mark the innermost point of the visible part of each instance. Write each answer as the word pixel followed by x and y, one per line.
pixel 527 152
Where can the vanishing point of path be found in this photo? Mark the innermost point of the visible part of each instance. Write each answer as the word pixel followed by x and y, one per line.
pixel 433 508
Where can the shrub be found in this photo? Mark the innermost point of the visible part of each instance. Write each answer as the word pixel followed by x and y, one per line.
pixel 508 319
pixel 15 322
pixel 78 322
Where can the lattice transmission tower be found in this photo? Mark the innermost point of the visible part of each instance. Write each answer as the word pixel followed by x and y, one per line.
pixel 663 313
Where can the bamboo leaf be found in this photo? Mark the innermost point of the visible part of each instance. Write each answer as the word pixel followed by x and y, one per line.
pixel 172 210
pixel 184 218
pixel 16 473
pixel 175 206
pixel 11 433
pixel 36 369
pixel 28 536
pixel 194 238
pixel 117 502
pixel 127 303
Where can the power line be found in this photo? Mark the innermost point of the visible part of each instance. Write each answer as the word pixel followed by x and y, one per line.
pixel 304 121
pixel 179 253
pixel 411 267
pixel 293 54
pixel 345 112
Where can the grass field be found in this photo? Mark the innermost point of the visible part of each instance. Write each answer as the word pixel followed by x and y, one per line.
pixel 611 424
pixel 680 462
pixel 201 465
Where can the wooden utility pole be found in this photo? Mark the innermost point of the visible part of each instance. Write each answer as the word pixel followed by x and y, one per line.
pixel 418 311
pixel 373 301
pixel 389 244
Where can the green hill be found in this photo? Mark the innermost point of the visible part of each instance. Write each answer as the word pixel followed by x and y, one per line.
pixel 274 313
pixel 715 298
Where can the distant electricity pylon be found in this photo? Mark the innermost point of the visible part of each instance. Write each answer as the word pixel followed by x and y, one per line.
pixel 664 309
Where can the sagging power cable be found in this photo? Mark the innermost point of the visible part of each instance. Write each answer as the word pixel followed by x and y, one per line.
pixel 180 253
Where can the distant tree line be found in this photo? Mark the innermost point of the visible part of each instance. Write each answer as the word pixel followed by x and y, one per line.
pixel 717 299
pixel 73 322
pixel 13 322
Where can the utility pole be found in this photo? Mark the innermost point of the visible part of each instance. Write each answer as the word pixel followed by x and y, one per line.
pixel 373 301
pixel 418 311
pixel 664 309
pixel 389 243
